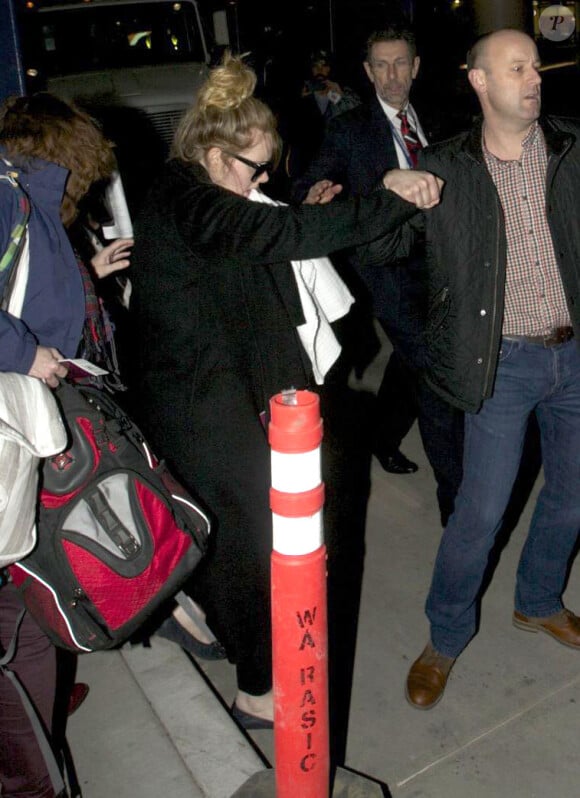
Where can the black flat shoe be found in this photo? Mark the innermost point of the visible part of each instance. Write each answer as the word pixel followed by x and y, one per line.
pixel 170 629
pixel 250 722
pixel 396 463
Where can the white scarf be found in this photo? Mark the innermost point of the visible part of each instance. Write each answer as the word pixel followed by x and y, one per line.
pixel 324 298
pixel 30 428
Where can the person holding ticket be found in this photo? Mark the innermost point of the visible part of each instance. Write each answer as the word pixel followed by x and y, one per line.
pixel 55 308
pixel 55 153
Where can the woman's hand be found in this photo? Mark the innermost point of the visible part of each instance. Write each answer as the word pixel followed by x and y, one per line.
pixel 112 258
pixel 421 188
pixel 46 367
pixel 322 192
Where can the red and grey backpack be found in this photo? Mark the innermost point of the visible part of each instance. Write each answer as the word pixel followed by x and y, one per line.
pixel 118 536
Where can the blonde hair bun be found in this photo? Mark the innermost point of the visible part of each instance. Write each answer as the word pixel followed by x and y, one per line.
pixel 227 86
pixel 225 115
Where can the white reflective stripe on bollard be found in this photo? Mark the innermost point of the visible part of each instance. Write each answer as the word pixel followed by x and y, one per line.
pixel 297 535
pixel 295 473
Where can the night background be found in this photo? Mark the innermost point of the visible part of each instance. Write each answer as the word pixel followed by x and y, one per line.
pixel 280 35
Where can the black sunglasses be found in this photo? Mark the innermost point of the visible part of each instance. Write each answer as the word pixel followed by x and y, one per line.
pixel 259 168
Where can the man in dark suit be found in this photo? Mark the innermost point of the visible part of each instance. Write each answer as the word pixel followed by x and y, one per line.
pixel 358 147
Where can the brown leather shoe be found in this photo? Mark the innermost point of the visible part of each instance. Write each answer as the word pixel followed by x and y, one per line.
pixel 564 626
pixel 427 678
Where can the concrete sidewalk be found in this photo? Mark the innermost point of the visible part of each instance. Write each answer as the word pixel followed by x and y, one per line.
pixel 152 727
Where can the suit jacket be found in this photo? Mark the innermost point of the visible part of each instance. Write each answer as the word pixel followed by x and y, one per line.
pixel 357 150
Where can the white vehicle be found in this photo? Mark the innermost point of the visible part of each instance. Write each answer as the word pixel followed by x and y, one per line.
pixel 135 65
pixel 149 55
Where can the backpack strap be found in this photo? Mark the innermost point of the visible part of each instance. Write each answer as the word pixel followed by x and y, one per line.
pixel 11 257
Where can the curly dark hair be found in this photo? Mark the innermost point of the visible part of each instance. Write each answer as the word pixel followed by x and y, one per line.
pixel 44 126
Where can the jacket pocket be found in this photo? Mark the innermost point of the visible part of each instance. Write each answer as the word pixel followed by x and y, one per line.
pixel 438 311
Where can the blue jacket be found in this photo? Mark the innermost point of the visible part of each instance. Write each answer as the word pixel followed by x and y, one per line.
pixel 54 304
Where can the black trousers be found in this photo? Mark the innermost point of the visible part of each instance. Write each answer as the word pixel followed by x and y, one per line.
pixel 229 465
pixel 441 428
pixel 403 398
pixel 397 405
pixel 402 318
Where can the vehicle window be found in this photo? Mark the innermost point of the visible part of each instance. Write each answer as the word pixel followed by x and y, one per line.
pixel 106 37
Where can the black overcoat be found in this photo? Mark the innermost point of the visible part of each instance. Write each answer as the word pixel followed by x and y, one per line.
pixel 215 308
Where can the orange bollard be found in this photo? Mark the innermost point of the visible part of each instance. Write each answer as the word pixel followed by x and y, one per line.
pixel 299 615
pixel 299 612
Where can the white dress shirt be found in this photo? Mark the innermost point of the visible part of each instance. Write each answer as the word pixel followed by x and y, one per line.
pixel 395 122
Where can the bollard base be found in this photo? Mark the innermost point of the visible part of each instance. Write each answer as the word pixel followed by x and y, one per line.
pixel 346 785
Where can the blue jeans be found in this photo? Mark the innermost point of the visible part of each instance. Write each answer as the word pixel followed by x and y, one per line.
pixel 530 379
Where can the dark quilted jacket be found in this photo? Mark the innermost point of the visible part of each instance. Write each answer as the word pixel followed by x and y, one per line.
pixel 466 248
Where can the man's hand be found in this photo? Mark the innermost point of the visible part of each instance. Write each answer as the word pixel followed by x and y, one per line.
pixel 46 367
pixel 322 192
pixel 421 188
pixel 112 258
pixel 334 89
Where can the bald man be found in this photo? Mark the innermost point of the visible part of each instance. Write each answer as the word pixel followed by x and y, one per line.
pixel 504 247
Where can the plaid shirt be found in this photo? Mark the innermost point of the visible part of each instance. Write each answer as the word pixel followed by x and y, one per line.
pixel 535 303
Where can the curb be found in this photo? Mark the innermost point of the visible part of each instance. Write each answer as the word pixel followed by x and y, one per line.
pixel 214 750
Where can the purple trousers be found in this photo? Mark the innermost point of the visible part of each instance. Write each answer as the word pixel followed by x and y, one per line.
pixel 22 768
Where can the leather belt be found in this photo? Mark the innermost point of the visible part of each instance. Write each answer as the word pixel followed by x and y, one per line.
pixel 558 336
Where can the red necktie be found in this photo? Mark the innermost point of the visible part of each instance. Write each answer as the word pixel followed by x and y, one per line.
pixel 410 137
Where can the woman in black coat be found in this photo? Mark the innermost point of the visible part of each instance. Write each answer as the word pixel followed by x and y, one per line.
pixel 216 309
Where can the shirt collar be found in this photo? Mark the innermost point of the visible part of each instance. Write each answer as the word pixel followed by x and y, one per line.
pixel 532 136
pixel 528 142
pixel 391 112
